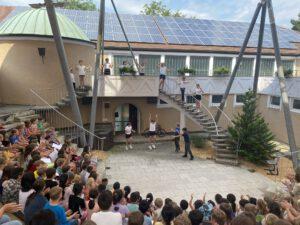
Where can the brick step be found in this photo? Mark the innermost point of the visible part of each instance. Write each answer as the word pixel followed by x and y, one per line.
pixel 221 145
pixel 231 162
pixel 226 156
pixel 224 151
pixel 220 136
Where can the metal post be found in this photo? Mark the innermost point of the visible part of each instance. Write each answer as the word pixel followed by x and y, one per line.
pixel 97 70
pixel 284 95
pixel 259 46
pixel 238 62
pixel 125 35
pixel 64 65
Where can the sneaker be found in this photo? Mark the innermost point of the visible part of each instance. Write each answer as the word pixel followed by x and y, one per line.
pixel 130 146
pixel 150 148
pixel 153 146
pixel 126 148
pixel 184 156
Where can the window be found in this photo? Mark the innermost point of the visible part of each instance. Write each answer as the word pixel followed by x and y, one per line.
pixel 190 99
pixel 274 102
pixel 222 62
pixel 200 64
pixel 288 64
pixel 295 105
pixel 215 100
pixel 174 63
pixel 238 100
pixel 266 67
pixel 151 63
pixel 245 68
pixel 118 61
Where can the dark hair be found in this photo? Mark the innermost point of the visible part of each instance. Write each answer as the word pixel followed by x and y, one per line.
pixel 184 204
pixel 218 199
pixel 65 168
pixel 105 200
pixel 297 177
pixel 116 185
pixel 6 172
pixel 244 218
pixel 168 201
pixel 226 208
pixel 168 214
pixel 89 169
pixel 93 195
pixel 231 198
pixel 243 202
pixel 93 175
pixel 44 216
pixel 149 198
pixel 63 179
pixel 252 200
pixel 38 187
pixel 50 172
pixel 184 129
pixel 275 209
pixel 136 218
pixel 15 172
pixel 117 197
pixel 134 196
pixel 104 180
pixel 101 187
pixel 196 217
pixel 28 150
pixel 127 191
pixel 27 181
pixel 177 210
pixel 198 203
pixel 144 206
pixel 212 202
pixel 77 189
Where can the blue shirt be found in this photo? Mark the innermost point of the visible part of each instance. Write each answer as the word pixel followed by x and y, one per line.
pixel 147 220
pixel 177 130
pixel 59 212
pixel 186 137
pixel 14 139
pixel 34 206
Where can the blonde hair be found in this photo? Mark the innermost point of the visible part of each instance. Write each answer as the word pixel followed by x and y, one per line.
pixel 270 219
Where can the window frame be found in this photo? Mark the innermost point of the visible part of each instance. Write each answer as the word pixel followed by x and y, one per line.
pixel 272 106
pixel 211 104
pixel 235 103
pixel 292 105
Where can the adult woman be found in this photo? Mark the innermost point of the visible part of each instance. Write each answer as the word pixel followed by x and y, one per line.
pixel 198 96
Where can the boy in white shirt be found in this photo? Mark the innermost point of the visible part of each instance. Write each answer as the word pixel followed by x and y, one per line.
pixel 81 69
pixel 152 131
pixel 128 135
pixel 105 216
pixel 107 67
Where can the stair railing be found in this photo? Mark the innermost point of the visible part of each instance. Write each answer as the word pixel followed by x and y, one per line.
pixel 63 123
pixel 173 89
pixel 51 95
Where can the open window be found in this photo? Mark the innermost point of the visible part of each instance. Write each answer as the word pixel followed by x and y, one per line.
pixel 215 100
pixel 274 102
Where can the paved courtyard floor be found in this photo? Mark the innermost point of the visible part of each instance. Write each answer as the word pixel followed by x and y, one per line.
pixel 166 174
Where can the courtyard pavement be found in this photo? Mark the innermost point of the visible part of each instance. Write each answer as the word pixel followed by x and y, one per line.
pixel 166 174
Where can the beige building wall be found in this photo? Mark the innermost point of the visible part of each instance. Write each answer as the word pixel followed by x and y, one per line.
pixel 22 69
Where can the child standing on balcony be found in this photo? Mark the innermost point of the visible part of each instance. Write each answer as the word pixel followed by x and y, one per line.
pixel 81 69
pixel 152 131
pixel 128 135
pixel 72 78
pixel 198 96
pixel 107 67
pixel 162 75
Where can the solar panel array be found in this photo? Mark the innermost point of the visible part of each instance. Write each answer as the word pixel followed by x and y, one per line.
pixel 183 31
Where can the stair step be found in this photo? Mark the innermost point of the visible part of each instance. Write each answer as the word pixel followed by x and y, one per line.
pixel 224 151
pixel 232 162
pixel 219 140
pixel 226 156
pixel 25 118
pixel 66 100
pixel 25 113
pixel 220 136
pixel 208 123
pixel 60 103
pixel 217 144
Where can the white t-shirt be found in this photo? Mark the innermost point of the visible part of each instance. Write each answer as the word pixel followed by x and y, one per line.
pixel 72 77
pixel 198 91
pixel 128 130
pixel 107 66
pixel 107 218
pixel 23 197
pixel 81 69
pixel 182 84
pixel 152 126
pixel 163 70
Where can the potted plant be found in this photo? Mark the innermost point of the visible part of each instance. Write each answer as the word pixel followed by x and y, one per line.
pixel 186 70
pixel 221 72
pixel 288 73
pixel 127 70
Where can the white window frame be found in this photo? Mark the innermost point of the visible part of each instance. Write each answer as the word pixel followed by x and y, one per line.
pixel 235 103
pixel 270 105
pixel 214 104
pixel 292 103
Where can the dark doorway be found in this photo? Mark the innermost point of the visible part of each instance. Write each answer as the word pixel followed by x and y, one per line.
pixel 126 113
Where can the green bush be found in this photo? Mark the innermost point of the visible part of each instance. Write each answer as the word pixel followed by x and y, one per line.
pixel 184 70
pixel 127 69
pixel 221 71
pixel 198 141
pixel 288 73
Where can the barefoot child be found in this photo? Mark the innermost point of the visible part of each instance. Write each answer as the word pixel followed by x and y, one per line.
pixel 152 131
pixel 128 135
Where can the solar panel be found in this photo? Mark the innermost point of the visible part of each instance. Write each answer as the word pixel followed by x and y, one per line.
pixel 148 29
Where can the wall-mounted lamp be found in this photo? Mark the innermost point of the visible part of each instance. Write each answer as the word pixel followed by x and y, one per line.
pixel 42 53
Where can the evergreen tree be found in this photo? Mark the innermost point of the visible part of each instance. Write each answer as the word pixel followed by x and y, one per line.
pixel 251 133
pixel 296 23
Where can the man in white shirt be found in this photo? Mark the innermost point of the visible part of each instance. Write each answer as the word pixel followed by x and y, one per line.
pixel 128 135
pixel 105 216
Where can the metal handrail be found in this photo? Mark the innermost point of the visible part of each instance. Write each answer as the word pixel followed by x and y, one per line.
pixel 217 132
pixel 65 117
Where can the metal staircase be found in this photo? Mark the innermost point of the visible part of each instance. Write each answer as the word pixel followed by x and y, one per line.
pixel 218 135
